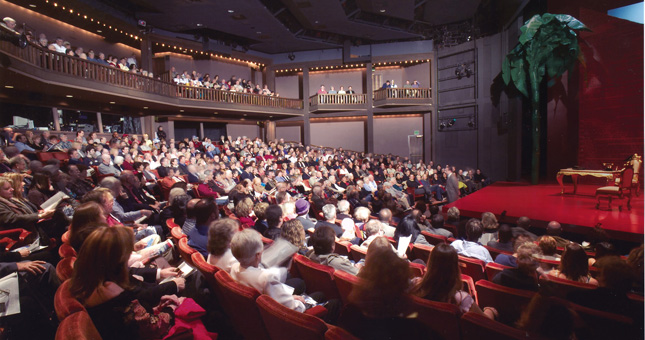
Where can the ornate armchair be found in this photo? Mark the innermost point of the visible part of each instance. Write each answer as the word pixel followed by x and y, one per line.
pixel 623 190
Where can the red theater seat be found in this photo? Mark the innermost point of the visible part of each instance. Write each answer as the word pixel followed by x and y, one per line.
pixel 78 326
pixel 337 333
pixel 472 267
pixel 564 286
pixel 207 269
pixel 64 303
pixel 345 282
pixel 493 269
pixel 64 268
pixel 441 317
pixel 186 251
pixel 284 323
pixel 318 277
pixel 357 253
pixel 434 239
pixel 239 303
pixel 509 302
pixel 476 326
pixel 421 252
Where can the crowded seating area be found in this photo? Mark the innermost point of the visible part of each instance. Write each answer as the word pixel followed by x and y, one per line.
pixel 232 237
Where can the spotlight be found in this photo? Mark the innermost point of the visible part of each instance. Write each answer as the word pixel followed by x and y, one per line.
pixel 452 122
pixel 291 56
pixel 471 123
pixel 442 126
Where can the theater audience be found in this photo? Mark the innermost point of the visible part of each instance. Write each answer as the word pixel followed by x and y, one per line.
pixel 329 213
pixel 294 232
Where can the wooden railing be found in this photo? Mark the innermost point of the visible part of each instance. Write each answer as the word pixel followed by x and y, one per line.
pixel 402 93
pixel 337 99
pixel 77 67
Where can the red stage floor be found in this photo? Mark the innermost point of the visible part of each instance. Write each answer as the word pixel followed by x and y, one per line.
pixel 544 203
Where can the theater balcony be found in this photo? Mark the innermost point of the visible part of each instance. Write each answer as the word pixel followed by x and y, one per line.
pixel 337 102
pixel 402 97
pixel 43 77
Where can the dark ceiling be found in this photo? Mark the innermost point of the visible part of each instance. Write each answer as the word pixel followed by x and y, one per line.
pixel 282 26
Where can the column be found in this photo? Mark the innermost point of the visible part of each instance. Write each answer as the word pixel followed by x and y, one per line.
pixel 269 127
pixel 369 131
pixel 56 117
pixel 201 130
pixel 306 128
pixel 146 53
pixel 427 136
pixel 99 122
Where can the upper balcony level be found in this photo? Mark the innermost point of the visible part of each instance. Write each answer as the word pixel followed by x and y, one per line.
pixel 44 77
pixel 56 73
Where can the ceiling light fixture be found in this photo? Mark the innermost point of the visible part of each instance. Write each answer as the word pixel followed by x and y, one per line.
pixel 145 107
pixel 199 25
pixel 69 96
pixel 112 102
pixel 32 5
pixel 8 86
pixel 382 11
pixel 231 11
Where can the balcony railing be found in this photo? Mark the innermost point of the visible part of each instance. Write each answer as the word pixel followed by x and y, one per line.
pixel 77 67
pixel 337 102
pixel 402 96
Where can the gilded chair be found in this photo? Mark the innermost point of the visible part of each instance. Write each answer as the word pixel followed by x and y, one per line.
pixel 623 190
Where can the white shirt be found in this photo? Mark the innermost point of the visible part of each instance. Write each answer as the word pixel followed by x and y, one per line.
pixel 472 249
pixel 224 262
pixel 268 281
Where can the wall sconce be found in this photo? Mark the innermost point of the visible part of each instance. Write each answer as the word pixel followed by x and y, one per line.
pixel 463 70
pixel 442 126
pixel 291 56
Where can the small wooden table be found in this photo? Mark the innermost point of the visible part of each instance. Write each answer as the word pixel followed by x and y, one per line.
pixel 575 173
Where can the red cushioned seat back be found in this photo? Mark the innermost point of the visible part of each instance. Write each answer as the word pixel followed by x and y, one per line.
pixel 318 277
pixel 599 324
pixel 564 286
pixel 186 251
pixel 345 282
pixel 64 303
pixel 476 326
pixel 64 268
pixel 421 252
pixel 207 269
pixel 171 223
pixel 509 302
pixel 434 239
pixel 238 301
pixel 78 326
pixel 337 333
pixel 472 267
pixel 357 253
pixel 493 269
pixel 342 248
pixel 65 250
pixel 285 323
pixel 441 317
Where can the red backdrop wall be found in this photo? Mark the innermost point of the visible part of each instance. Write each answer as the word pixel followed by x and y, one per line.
pixel 611 90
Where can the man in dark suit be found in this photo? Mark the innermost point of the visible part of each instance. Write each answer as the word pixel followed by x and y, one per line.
pixel 162 170
pixel 247 173
pixel 452 186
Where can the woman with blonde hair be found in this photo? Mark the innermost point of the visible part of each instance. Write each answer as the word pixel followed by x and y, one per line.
pixel 16 212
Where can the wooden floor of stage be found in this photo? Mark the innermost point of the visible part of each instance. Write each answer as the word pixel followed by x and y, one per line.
pixel 543 203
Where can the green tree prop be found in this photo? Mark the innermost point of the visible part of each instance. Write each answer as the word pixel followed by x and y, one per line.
pixel 548 45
